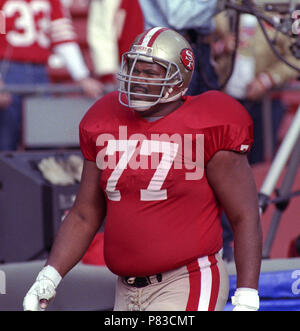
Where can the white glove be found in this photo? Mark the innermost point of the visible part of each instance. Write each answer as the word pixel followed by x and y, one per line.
pixel 73 166
pixel 245 299
pixel 54 172
pixel 43 288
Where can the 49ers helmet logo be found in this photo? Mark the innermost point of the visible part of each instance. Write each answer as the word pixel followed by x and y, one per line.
pixel 187 59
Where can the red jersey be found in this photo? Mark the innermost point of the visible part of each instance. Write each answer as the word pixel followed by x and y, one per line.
pixel 32 28
pixel 161 211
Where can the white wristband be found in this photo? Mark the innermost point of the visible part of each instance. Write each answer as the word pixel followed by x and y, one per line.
pixel 246 297
pixel 50 273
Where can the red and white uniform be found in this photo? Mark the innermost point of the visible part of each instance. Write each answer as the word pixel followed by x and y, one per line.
pixel 165 216
pixel 33 27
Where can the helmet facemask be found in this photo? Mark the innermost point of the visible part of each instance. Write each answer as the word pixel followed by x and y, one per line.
pixel 168 83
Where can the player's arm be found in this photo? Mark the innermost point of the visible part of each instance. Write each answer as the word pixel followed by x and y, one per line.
pixel 73 237
pixel 231 178
pixel 81 224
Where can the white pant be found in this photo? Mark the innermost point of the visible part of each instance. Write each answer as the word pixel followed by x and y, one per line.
pixel 200 285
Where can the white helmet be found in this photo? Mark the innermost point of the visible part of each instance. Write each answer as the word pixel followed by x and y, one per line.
pixel 170 50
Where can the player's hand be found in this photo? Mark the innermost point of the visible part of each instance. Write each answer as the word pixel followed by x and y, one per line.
pixel 256 90
pixel 245 299
pixel 43 290
pixel 92 87
pixel 259 86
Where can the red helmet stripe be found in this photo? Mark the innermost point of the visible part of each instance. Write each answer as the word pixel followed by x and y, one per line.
pixel 156 34
pixel 143 36
pixel 148 34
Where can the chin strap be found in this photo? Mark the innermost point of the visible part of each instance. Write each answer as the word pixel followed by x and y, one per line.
pixel 141 105
pixel 145 105
pixel 175 97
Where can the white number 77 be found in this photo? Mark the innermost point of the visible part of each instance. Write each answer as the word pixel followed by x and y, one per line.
pixel 128 147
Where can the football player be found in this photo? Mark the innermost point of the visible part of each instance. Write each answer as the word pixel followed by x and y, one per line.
pixel 160 167
pixel 33 30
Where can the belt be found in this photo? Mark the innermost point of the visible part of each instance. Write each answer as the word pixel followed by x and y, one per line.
pixel 142 281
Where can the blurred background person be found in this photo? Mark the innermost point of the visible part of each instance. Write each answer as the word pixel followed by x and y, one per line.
pixel 257 70
pixel 112 26
pixel 34 29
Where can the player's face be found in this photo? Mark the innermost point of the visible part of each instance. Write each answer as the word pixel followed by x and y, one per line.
pixel 144 70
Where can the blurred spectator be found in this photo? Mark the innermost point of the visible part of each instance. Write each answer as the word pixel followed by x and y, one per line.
pixel 257 70
pixel 112 27
pixel 193 19
pixel 33 30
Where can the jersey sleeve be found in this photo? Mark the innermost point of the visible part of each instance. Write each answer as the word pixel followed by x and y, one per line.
pixel 87 147
pixel 231 129
pixel 96 120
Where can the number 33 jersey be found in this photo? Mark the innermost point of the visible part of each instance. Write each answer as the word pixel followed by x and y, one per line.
pixel 32 27
pixel 161 210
